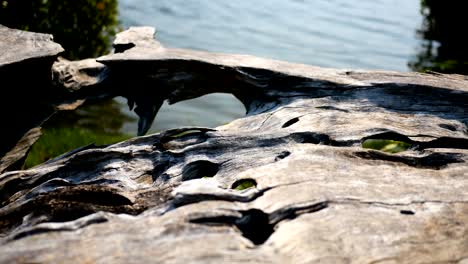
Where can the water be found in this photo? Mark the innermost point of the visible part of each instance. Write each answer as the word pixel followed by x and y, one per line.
pixel 366 34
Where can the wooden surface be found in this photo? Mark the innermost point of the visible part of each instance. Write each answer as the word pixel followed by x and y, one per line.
pixel 26 60
pixel 318 195
pixel 17 46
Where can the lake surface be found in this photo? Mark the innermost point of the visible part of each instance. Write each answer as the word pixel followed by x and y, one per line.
pixel 365 34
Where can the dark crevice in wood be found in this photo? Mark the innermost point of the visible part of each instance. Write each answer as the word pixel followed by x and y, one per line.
pixel 407 212
pixel 290 122
pixel 55 208
pixel 282 155
pixel 448 127
pixel 441 142
pixel 74 202
pixel 123 47
pixel 445 142
pixel 253 224
pixel 91 194
pixel 77 163
pixel 289 213
pixel 329 107
pixel 199 169
pixel 434 161
pixel 319 138
pixel 311 138
pixel 159 171
pixel 258 226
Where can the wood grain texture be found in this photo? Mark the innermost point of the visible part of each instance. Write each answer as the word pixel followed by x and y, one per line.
pixel 17 46
pixel 318 195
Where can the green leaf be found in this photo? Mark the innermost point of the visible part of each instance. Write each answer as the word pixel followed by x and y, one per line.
pixel 244 184
pixel 386 145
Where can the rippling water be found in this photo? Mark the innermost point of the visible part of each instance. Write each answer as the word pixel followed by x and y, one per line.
pixel 365 34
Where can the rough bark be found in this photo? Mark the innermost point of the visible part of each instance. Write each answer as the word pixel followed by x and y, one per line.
pixel 317 195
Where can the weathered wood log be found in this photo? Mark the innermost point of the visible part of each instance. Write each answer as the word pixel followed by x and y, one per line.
pixel 20 46
pixel 31 94
pixel 288 183
pixel 26 60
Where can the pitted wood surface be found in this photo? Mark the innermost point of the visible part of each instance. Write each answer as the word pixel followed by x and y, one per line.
pixel 318 195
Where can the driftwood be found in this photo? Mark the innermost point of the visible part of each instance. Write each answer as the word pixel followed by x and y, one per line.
pixel 35 86
pixel 26 60
pixel 288 183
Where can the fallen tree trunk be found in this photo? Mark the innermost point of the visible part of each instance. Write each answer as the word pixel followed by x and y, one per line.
pixel 289 183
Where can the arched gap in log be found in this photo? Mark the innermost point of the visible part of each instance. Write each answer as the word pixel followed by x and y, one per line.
pixel 210 110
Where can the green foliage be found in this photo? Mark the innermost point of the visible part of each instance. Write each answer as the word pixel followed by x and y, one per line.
pixel 56 141
pixel 244 184
pixel 98 123
pixel 83 27
pixel 386 145
pixel 105 117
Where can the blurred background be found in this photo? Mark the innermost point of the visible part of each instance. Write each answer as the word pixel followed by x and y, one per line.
pixel 401 35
